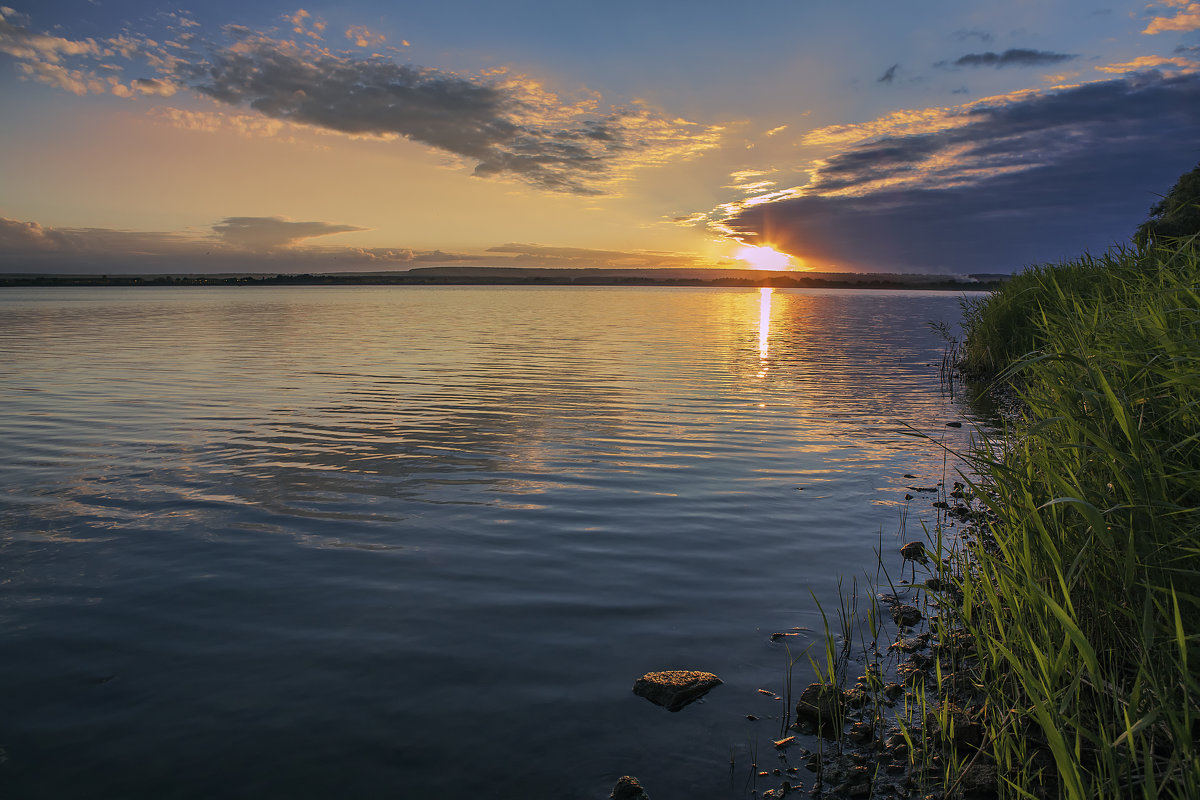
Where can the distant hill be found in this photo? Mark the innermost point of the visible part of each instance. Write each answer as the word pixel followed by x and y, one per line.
pixel 533 276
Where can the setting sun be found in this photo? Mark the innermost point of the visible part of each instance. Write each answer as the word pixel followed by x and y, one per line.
pixel 765 258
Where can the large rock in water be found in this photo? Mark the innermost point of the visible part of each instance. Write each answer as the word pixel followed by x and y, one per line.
pixel 674 689
pixel 629 788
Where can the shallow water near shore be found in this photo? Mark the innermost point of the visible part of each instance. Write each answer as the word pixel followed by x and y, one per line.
pixel 417 542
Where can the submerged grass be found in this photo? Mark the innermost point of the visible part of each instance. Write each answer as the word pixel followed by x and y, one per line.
pixel 1083 603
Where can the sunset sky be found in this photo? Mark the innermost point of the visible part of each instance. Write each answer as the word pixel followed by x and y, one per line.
pixel 938 136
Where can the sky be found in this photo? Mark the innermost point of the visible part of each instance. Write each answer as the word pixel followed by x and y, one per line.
pixel 942 136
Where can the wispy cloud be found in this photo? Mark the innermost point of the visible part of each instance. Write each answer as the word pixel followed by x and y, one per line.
pixel 1161 63
pixel 268 233
pixel 1014 57
pixel 502 124
pixel 963 34
pixel 888 75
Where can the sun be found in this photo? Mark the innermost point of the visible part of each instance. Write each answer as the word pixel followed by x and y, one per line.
pixel 765 257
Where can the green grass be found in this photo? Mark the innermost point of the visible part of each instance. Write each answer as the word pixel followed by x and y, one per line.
pixel 1085 611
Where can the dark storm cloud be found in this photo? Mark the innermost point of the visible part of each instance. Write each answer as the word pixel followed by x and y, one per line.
pixel 1016 57
pixel 266 233
pixel 995 186
pixel 502 124
pixel 888 75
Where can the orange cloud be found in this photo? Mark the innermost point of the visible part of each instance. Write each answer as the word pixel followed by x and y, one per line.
pixel 1178 64
pixel 1186 18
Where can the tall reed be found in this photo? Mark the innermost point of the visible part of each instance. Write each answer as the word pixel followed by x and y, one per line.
pixel 1085 609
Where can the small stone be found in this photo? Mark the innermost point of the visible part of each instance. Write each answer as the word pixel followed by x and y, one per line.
pixel 909 645
pixel 821 705
pixel 913 551
pixel 953 424
pixel 906 615
pixel 674 689
pixel 629 788
pixel 861 732
pixel 856 790
pixel 896 745
pixel 979 780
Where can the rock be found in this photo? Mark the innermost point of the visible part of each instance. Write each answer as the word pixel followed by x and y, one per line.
pixel 906 615
pixel 910 645
pixel 856 791
pixel 820 704
pixel 963 731
pixel 674 689
pixel 896 745
pixel 861 732
pixel 979 780
pixel 629 788
pixel 913 551
pixel 953 424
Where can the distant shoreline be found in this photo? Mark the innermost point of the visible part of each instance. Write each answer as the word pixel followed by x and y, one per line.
pixel 447 276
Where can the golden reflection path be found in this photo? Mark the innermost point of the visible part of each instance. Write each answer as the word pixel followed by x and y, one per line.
pixel 764 325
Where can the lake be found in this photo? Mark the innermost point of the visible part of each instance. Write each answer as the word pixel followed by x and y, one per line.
pixel 419 542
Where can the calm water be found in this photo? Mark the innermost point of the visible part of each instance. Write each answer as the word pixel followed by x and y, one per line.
pixel 419 542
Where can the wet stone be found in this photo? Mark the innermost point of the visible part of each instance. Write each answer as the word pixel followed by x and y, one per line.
pixel 913 551
pixel 979 781
pixel 629 788
pixel 906 615
pixel 861 732
pixel 675 689
pixel 911 644
pixel 820 704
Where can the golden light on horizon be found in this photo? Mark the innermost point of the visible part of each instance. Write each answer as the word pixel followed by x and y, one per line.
pixel 765 257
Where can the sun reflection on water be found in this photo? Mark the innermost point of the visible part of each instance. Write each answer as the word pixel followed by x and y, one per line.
pixel 764 327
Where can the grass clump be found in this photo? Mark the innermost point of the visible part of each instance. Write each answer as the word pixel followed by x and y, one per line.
pixel 1083 604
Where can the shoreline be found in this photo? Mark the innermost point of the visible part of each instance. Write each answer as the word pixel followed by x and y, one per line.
pixel 559 278
pixel 1063 649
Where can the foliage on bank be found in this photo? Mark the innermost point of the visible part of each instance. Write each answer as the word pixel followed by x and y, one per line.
pixel 1085 609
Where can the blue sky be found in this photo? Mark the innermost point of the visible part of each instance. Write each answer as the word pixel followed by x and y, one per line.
pixel 946 137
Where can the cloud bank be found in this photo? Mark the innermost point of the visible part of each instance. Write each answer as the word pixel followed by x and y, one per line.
pixel 504 125
pixel 990 186
pixel 267 245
